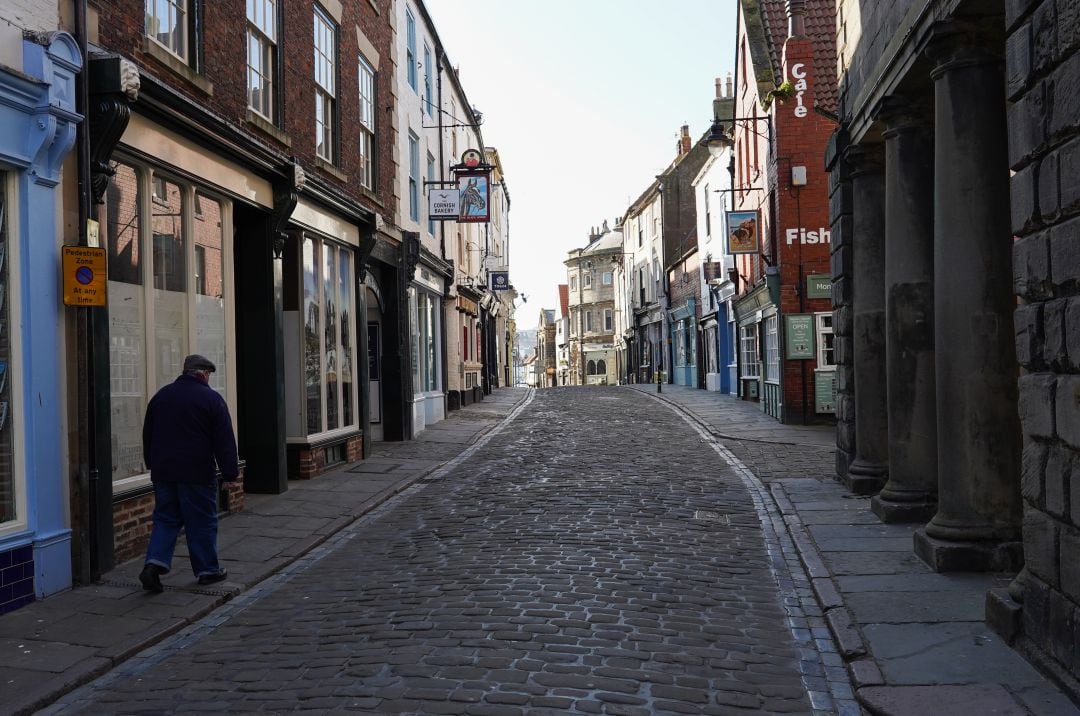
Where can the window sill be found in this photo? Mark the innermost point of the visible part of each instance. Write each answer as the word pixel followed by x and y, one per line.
pixel 330 169
pixel 177 66
pixel 267 128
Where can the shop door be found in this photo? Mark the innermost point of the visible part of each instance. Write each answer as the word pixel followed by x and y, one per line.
pixel 374 372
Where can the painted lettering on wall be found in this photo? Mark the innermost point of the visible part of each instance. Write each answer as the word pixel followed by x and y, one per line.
pixel 798 71
pixel 821 236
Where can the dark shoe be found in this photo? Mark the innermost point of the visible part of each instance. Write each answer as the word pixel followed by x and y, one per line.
pixel 150 577
pixel 212 578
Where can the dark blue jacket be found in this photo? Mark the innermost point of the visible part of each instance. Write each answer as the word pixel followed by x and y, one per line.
pixel 187 427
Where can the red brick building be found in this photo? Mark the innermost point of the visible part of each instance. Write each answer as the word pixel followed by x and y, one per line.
pixel 785 99
pixel 244 178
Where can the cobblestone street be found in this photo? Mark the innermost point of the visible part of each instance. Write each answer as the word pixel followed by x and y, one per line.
pixel 565 566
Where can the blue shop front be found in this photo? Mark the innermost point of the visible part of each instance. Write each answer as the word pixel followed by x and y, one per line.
pixel 37 131
pixel 684 343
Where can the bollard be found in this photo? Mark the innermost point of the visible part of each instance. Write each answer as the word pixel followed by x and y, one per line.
pixel 658 382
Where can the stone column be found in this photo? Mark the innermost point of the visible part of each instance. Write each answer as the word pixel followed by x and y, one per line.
pixel 910 495
pixel 867 473
pixel 979 442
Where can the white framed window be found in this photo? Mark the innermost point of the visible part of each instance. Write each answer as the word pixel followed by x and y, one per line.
pixel 367 123
pixel 163 311
pixel 410 48
pixel 606 278
pixel 748 348
pixel 168 22
pixel 414 176
pixel 609 320
pixel 429 98
pixel 325 85
pixel 325 46
pixel 708 218
pixel 772 348
pixel 588 279
pixel 329 334
pixel 262 56
pixel 826 351
pixel 573 283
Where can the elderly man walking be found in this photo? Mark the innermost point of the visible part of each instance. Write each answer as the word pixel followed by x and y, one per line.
pixel 187 429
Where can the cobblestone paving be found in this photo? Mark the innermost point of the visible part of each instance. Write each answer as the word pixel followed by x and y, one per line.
pixel 772 461
pixel 574 564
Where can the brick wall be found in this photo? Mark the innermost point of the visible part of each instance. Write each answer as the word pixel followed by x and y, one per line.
pixel 1043 70
pixel 16 578
pixel 224 22
pixel 307 461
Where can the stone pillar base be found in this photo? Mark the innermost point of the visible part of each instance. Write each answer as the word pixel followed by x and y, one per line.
pixel 957 556
pixel 1003 614
pixel 892 512
pixel 864 478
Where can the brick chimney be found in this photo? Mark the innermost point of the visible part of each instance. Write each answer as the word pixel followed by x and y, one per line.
pixel 684 140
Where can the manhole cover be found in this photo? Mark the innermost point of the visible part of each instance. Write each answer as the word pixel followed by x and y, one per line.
pixel 711 516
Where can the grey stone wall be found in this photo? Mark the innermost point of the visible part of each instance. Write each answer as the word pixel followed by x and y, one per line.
pixel 1043 72
pixel 840 218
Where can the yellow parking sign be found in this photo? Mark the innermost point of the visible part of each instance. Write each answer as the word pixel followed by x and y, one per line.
pixel 84 276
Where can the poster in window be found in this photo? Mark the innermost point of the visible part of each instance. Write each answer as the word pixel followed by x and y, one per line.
pixel 799 336
pixel 473 188
pixel 742 231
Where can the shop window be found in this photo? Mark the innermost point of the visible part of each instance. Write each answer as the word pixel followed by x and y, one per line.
pixel 826 351
pixel 601 367
pixel 748 346
pixel 156 314
pixel 591 368
pixel 11 493
pixel 772 349
pixel 328 336
pixel 426 327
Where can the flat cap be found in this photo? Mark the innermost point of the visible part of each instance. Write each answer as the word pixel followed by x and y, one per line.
pixel 198 362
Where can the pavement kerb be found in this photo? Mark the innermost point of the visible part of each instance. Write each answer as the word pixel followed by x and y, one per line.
pixel 713 431
pixel 50 693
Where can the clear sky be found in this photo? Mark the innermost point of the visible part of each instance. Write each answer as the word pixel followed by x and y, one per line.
pixel 584 100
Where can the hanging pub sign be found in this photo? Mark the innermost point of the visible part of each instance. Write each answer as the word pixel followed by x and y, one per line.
pixel 443 203
pixel 742 231
pixel 500 280
pixel 473 192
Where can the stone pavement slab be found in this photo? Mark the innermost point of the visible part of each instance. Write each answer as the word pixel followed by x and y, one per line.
pixel 915 641
pixel 52 646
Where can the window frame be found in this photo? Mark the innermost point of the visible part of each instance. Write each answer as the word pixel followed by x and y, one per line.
pixel 609 320
pixel 191 40
pixel 414 176
pixel 821 350
pixel 428 98
pixel 146 176
pixel 607 278
pixel 410 50
pixel 750 363
pixel 269 46
pixel 366 71
pixel 770 330
pixel 430 178
pixel 326 97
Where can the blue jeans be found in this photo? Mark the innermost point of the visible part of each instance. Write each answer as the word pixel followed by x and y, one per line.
pixel 193 507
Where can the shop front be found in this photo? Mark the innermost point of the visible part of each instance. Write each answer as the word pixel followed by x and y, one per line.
pixel 37 130
pixel 684 343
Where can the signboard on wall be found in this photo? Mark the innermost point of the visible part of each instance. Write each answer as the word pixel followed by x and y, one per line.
pixel 799 336
pixel 500 280
pixel 84 276
pixel 743 229
pixel 824 391
pixel 819 285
